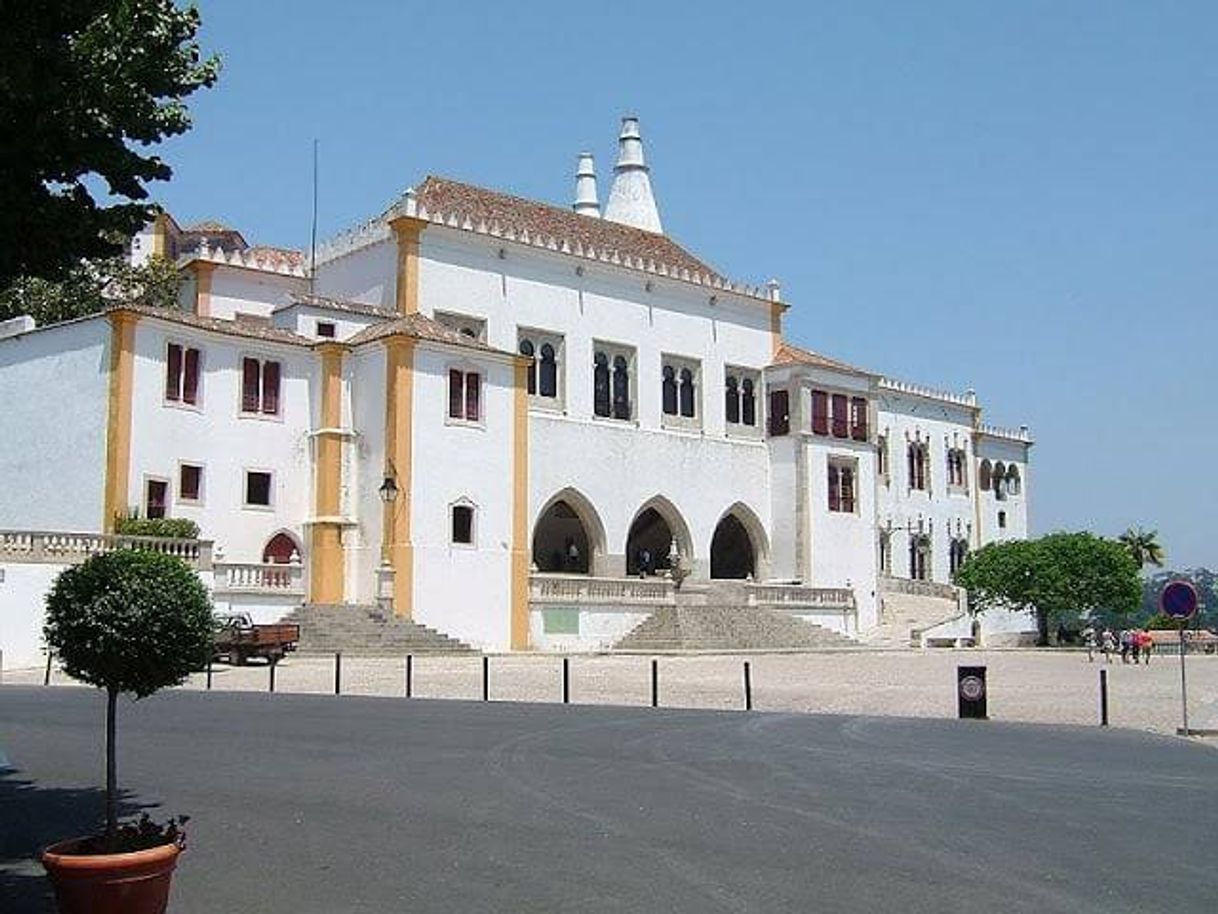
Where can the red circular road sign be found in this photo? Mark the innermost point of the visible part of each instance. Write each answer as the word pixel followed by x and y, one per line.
pixel 1178 600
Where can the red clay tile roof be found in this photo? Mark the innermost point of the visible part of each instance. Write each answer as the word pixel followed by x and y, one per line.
pixel 209 226
pixel 793 355
pixel 251 329
pixel 338 304
pixel 421 327
pixel 453 199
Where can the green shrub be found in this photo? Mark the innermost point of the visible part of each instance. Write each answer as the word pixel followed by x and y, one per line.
pixel 170 527
pixel 128 621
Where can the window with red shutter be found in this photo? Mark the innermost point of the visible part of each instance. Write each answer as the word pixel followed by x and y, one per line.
pixel 820 412
pixel 190 376
pixel 858 423
pixel 173 373
pixel 472 393
pixel 270 388
pixel 847 478
pixel 190 482
pixel 251 385
pixel 456 394
pixel 157 499
pixel 835 498
pixel 841 422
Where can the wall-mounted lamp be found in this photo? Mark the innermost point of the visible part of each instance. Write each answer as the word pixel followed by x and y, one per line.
pixel 389 490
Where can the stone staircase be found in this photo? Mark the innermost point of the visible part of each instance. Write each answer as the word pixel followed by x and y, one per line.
pixel 366 631
pixel 905 616
pixel 727 627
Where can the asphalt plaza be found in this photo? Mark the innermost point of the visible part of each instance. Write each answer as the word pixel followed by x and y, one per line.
pixel 310 803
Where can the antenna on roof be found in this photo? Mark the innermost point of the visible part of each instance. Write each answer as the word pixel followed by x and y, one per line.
pixel 313 231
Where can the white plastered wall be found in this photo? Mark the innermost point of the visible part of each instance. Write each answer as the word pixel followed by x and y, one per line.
pixel 367 275
pixel 238 290
pixel 54 387
pixel 1015 506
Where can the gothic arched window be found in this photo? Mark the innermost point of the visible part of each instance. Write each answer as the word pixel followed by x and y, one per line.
pixel 548 382
pixel 526 349
pixel 600 385
pixel 687 393
pixel 621 388
pixel 668 391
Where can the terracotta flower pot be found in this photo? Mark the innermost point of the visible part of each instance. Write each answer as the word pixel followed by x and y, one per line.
pixel 131 883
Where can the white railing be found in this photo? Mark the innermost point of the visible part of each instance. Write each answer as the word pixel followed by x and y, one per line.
pixel 49 548
pixel 570 588
pixel 920 588
pixel 799 595
pixel 255 577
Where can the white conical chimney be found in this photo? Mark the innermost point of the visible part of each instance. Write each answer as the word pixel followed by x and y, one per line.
pixel 587 203
pixel 630 199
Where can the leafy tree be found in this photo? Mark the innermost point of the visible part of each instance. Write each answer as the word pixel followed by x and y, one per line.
pixel 1056 577
pixel 91 285
pixel 82 84
pixel 1143 546
pixel 128 621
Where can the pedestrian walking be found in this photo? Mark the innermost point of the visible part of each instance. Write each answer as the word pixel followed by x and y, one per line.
pixel 1125 645
pixel 1108 644
pixel 1147 643
pixel 1089 642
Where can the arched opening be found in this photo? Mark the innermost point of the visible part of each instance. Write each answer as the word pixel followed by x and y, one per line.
pixel 280 550
pixel 568 537
pixel 1012 480
pixel 649 543
pixel 999 481
pixel 983 475
pixel 919 557
pixel 731 553
pixel 560 542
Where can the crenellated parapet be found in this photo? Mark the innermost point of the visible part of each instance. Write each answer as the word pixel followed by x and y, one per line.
pixel 967 399
pixel 282 261
pixel 1021 434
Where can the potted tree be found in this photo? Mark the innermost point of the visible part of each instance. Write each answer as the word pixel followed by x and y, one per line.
pixel 127 622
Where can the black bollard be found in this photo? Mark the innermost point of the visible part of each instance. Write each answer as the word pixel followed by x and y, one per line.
pixel 748 687
pixel 409 675
pixel 272 675
pixel 338 672
pixel 566 680
pixel 655 683
pixel 209 674
pixel 46 679
pixel 1103 698
pixel 486 678
pixel 971 692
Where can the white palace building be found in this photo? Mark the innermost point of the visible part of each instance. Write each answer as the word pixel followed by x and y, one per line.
pixel 505 419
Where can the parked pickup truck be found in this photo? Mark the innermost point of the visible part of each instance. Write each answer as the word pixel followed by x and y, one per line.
pixel 238 639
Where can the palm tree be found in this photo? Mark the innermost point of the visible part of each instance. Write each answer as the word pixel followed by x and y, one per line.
pixel 1143 547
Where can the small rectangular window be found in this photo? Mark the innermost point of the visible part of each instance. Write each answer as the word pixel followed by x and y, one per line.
pixel 473 391
pixel 464 395
pixel 841 487
pixel 463 525
pixel 260 387
pixel 270 388
pixel 173 373
pixel 257 488
pixel 156 503
pixel 326 329
pixel 181 374
pixel 190 482
pixel 780 413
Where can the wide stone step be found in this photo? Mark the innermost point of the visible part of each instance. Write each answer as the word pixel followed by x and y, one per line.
pixel 366 631
pixel 675 628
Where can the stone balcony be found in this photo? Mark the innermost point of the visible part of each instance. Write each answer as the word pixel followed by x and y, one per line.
pixel 257 578
pixel 38 547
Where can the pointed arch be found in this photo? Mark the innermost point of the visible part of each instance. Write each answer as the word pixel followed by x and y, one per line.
pixel 281 546
pixel 550 536
pixel 759 542
pixel 656 524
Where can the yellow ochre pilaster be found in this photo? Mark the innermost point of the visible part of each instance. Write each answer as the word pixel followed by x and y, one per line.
pixel 396 546
pixel 203 274
pixel 327 571
pixel 160 229
pixel 520 511
pixel 118 416
pixel 407 230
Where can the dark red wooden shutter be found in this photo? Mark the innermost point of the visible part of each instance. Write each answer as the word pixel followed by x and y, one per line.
pixel 859 430
pixel 820 412
pixel 835 500
pixel 780 413
pixel 270 388
pixel 456 399
pixel 251 378
pixel 173 373
pixel 472 393
pixel 841 422
pixel 190 377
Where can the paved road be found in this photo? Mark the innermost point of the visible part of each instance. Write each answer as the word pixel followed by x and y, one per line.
pixel 319 804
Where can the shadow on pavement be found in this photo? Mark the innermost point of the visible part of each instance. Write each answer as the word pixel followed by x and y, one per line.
pixel 34 817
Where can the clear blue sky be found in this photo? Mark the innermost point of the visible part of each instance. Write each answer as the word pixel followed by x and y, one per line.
pixel 1019 197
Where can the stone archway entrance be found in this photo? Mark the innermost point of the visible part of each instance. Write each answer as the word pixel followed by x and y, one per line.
pixel 732 555
pixel 280 550
pixel 560 542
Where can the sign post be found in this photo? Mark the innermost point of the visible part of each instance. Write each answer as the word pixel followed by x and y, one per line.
pixel 1179 601
pixel 970 692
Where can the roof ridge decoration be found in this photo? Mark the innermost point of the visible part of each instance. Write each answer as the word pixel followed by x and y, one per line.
pixel 1021 434
pixel 493 214
pixel 968 398
pixel 264 258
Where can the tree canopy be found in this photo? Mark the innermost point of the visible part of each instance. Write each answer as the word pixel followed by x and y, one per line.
pixel 1056 577
pixel 89 286
pixel 83 83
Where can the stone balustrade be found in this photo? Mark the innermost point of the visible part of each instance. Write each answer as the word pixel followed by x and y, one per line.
pixel 259 578
pixel 921 588
pixel 575 588
pixel 799 595
pixel 59 548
